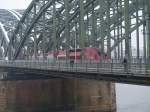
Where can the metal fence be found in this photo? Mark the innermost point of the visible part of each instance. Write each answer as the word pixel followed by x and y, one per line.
pixel 134 67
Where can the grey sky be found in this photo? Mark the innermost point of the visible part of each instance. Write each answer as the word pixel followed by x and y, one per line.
pixel 14 4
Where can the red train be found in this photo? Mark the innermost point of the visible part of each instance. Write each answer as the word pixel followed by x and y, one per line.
pixel 78 54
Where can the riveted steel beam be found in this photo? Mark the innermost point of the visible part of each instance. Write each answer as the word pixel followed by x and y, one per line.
pixel 94 23
pixel 54 27
pixel 82 24
pixel 147 6
pixel 127 30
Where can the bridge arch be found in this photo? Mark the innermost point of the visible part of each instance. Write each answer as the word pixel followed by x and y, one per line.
pixel 15 14
pixel 57 25
pixel 7 18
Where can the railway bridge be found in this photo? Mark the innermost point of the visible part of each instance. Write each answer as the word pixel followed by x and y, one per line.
pixel 118 28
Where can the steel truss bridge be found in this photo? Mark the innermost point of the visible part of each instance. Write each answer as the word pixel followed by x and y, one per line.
pixel 118 28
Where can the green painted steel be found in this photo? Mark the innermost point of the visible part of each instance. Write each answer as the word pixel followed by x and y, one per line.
pixel 117 28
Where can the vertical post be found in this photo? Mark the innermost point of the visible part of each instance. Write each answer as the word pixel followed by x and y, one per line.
pixel 147 18
pixel 115 50
pixel 102 30
pixel 148 27
pixel 140 65
pixel 112 65
pixel 127 34
pixel 127 30
pixel 10 50
pixel 76 37
pixel 137 28
pixel 144 30
pixel 108 29
pixel 35 39
pixel 88 30
pixel 118 28
pixel 44 34
pixel 67 32
pixel 121 32
pixel 54 27
pixel 82 26
pixel 75 42
pixel 28 53
pixel 93 27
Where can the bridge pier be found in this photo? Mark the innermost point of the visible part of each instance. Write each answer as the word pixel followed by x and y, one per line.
pixel 55 95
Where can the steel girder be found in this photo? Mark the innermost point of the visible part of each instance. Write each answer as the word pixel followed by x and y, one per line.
pixel 104 24
pixel 8 20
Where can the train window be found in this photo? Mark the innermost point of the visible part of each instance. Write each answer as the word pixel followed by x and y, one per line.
pixel 73 50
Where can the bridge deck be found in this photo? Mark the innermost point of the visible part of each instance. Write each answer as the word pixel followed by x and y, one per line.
pixel 114 70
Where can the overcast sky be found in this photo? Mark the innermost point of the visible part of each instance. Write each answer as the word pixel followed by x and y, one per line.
pixel 14 4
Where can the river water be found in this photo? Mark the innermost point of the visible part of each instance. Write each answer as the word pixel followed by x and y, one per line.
pixel 132 98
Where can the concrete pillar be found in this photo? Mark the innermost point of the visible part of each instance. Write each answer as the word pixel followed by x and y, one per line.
pixel 58 95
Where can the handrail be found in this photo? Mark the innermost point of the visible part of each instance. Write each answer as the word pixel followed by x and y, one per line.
pixel 135 67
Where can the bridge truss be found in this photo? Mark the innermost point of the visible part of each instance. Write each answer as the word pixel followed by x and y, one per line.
pixel 116 27
pixel 8 21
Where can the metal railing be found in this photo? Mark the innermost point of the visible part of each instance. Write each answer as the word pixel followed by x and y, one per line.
pixel 113 66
